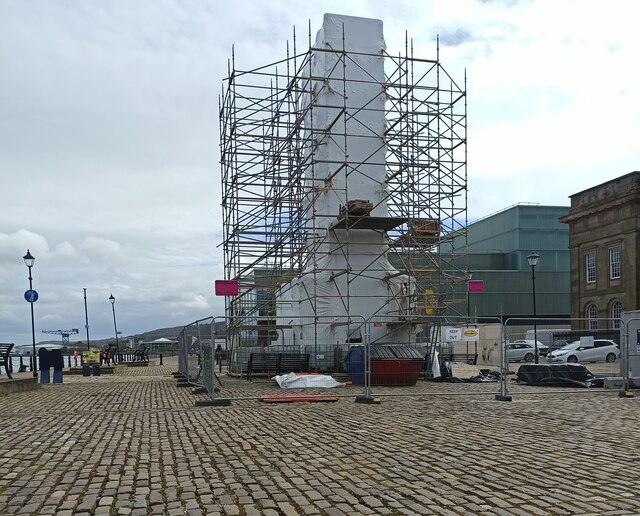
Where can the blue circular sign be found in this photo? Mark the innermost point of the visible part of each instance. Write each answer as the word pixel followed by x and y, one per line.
pixel 31 296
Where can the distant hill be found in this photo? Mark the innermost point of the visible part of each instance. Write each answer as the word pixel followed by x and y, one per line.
pixel 148 336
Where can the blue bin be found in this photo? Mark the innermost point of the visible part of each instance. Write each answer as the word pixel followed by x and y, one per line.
pixel 86 370
pixel 354 361
pixel 45 376
pixel 96 369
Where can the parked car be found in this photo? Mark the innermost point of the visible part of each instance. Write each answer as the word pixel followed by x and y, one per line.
pixel 524 350
pixel 553 355
pixel 557 344
pixel 574 352
pixel 543 349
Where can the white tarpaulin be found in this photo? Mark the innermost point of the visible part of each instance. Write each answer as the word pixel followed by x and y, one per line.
pixel 300 381
pixel 347 271
pixel 435 364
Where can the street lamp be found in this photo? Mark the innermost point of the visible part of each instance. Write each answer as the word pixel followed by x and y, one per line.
pixel 533 261
pixel 469 276
pixel 29 260
pixel 86 318
pixel 115 327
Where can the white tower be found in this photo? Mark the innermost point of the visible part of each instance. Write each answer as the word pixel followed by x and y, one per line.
pixel 349 277
pixel 334 160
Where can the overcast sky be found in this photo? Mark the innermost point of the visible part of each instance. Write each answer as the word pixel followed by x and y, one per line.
pixel 109 160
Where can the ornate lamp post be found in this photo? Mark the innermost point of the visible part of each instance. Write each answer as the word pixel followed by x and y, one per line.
pixel 115 327
pixel 533 261
pixel 31 296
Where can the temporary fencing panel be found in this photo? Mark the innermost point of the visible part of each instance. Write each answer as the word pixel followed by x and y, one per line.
pixel 301 352
pixel 312 358
pixel 195 352
pixel 543 346
pixel 183 365
pixel 405 355
pixel 630 348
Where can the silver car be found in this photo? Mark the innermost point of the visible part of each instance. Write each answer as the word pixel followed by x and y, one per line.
pixel 523 350
pixel 603 350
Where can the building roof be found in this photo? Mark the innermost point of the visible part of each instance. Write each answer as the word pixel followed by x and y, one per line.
pixel 611 181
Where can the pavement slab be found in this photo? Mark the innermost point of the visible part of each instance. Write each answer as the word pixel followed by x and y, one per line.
pixel 134 443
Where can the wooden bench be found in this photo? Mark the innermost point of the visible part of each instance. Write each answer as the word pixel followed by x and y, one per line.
pixel 464 358
pixel 276 363
pixel 5 349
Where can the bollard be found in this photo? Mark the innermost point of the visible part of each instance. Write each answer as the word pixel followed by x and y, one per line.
pixel 160 358
pixel 45 375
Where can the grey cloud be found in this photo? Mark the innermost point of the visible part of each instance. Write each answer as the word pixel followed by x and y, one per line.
pixel 455 38
pixel 506 3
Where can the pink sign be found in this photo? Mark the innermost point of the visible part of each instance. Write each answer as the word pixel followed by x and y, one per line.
pixel 475 285
pixel 226 287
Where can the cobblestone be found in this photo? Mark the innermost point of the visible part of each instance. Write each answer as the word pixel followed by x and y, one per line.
pixel 133 443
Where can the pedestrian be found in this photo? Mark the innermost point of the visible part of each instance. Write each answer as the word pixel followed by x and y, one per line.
pixel 104 355
pixel 218 354
pixel 75 358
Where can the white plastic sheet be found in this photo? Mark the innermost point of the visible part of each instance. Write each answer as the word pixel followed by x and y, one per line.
pixel 301 381
pixel 435 365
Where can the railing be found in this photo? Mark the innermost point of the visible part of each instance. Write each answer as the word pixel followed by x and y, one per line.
pixel 23 362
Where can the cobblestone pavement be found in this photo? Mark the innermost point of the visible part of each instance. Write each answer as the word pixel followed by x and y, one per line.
pixel 134 443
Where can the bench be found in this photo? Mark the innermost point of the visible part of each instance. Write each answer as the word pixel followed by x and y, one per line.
pixel 464 358
pixel 5 359
pixel 142 354
pixel 276 363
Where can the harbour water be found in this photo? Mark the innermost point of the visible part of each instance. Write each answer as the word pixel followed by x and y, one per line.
pixel 16 362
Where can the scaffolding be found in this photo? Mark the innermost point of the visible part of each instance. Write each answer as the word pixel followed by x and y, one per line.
pixel 273 173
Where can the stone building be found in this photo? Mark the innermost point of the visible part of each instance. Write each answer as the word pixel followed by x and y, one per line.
pixel 604 246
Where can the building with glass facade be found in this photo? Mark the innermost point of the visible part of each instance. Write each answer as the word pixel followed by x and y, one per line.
pixel 497 247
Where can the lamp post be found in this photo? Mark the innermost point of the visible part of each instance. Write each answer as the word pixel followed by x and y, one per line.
pixel 86 318
pixel 533 261
pixel 469 276
pixel 29 261
pixel 115 327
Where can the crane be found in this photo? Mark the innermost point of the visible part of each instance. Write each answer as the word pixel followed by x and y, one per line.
pixel 65 334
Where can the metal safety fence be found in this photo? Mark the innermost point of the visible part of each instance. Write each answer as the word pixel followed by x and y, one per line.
pixel 316 357
pixel 294 353
pixel 308 356
pixel 195 352
pixel 539 349
pixel 413 356
pixel 630 351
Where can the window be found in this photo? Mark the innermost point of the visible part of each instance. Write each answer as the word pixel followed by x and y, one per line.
pixel 590 266
pixel 592 317
pixel 616 313
pixel 614 262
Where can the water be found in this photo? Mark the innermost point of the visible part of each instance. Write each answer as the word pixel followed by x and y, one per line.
pixel 15 362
